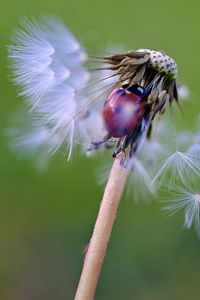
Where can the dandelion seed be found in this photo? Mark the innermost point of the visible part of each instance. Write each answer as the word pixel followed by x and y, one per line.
pixel 189 201
pixel 179 167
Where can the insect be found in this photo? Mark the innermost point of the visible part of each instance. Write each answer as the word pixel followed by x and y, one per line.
pixel 148 86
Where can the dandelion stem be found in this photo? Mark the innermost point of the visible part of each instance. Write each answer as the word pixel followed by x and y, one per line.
pixel 102 231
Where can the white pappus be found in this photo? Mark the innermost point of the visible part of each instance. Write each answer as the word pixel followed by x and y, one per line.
pixel 47 64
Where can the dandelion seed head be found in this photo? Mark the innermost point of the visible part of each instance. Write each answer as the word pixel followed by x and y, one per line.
pixel 116 107
pixel 162 62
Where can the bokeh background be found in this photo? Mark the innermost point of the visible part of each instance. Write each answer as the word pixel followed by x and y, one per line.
pixel 46 216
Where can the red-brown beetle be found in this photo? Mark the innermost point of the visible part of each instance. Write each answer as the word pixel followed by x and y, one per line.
pixel 123 110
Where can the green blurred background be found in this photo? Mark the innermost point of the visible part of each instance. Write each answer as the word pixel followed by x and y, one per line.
pixel 46 217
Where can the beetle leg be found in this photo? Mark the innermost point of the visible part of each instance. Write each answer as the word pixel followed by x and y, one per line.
pixel 96 145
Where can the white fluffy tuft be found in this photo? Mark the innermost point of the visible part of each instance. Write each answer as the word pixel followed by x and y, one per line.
pixel 189 200
pixel 179 167
pixel 47 66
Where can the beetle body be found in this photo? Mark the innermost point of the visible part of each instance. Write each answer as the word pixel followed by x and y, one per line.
pixel 123 110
